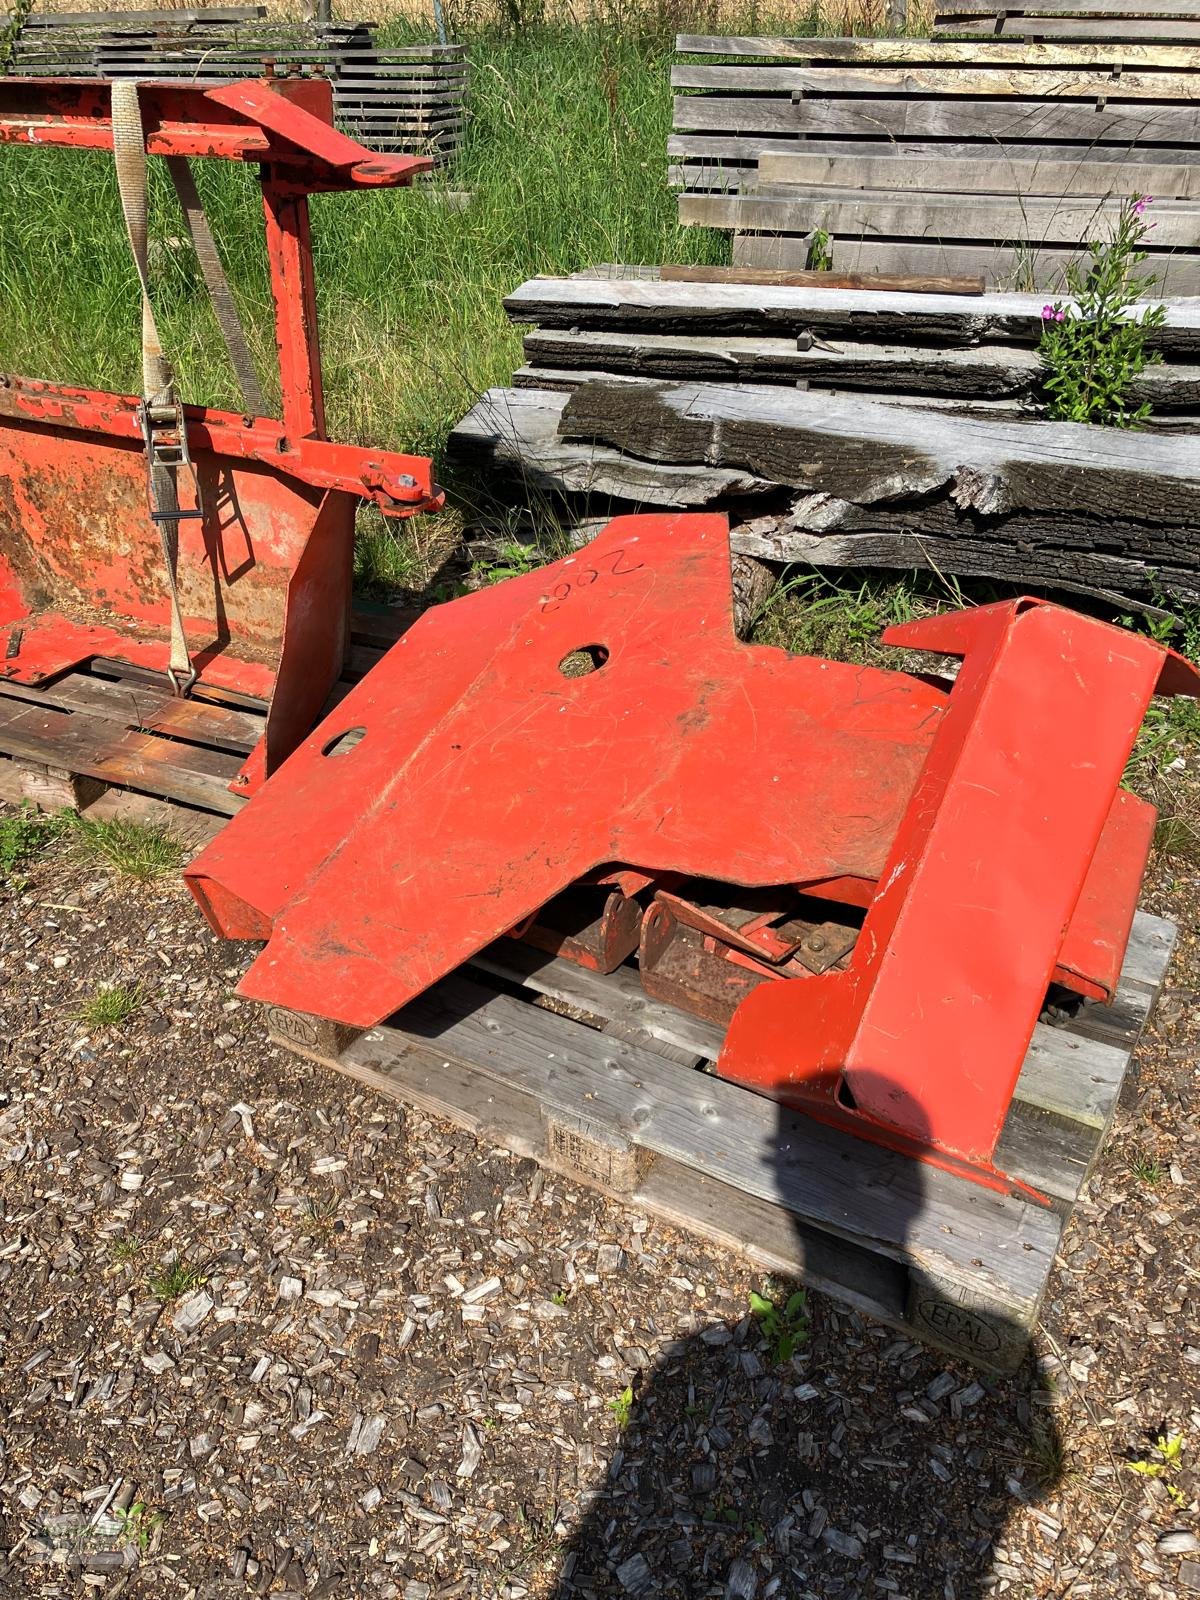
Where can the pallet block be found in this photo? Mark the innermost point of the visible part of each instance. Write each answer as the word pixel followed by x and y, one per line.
pixel 945 1260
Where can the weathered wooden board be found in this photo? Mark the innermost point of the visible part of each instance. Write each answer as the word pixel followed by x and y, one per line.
pixel 1001 176
pixel 961 216
pixel 979 371
pixel 1111 53
pixel 1131 125
pixel 515 432
pixel 975 79
pixel 1166 30
pixel 1122 551
pixel 768 311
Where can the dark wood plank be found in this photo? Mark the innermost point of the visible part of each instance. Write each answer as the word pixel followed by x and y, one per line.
pixel 101 749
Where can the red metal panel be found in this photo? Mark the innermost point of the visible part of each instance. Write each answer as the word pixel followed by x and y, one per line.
pixel 467 780
pixel 487 781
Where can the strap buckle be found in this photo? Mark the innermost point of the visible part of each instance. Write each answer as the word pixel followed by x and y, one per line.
pixel 164 433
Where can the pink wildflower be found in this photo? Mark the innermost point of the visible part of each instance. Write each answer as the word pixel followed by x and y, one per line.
pixel 1141 203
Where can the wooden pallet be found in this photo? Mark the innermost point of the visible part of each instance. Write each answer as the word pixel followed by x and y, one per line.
pixel 109 739
pixel 944 117
pixel 611 1103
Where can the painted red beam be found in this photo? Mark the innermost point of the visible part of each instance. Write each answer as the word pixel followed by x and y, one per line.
pixel 285 122
pixel 398 484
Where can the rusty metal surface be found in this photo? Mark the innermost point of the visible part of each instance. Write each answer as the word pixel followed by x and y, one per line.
pixel 588 924
pixel 264 574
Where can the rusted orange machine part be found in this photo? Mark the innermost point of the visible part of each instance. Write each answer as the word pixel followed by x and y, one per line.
pixel 264 573
pixel 973 841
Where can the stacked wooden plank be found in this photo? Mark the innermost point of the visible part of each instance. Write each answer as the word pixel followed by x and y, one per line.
pixel 901 155
pixel 407 99
pixel 845 428
pixel 1146 21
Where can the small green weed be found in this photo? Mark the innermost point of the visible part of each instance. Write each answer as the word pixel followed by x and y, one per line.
pixel 112 1004
pixel 174 1281
pixel 138 1523
pixel 1048 1454
pixel 22 835
pixel 1162 1462
pixel 622 1407
pixel 511 560
pixel 126 1250
pixel 321 1214
pixel 820 252
pixel 143 851
pixel 1148 1170
pixel 785 1326
pixel 1092 350
pixel 841 615
pixel 559 1297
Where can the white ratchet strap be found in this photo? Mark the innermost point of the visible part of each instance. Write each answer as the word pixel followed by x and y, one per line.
pixel 160 405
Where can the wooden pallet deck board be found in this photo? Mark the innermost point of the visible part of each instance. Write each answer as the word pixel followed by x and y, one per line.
pixel 944 1259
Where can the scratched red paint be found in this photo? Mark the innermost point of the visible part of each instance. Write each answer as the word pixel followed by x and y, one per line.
pixel 486 782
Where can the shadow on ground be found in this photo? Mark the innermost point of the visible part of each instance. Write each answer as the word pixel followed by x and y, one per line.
pixel 864 1465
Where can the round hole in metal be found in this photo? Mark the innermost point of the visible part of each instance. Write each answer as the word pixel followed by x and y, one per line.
pixel 341 742
pixel 585 658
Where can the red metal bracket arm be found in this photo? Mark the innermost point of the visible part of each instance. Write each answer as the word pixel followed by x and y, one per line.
pixel 400 485
pixel 926 1032
pixel 288 125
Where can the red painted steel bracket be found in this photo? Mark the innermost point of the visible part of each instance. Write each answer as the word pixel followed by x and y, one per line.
pixel 466 781
pixel 265 576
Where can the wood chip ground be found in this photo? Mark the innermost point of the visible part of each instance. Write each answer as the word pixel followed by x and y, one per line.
pixel 395 1362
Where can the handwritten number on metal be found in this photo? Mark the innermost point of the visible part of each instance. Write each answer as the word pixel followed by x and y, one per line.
pixel 615 565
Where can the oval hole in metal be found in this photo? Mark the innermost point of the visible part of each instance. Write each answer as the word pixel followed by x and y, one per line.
pixel 584 659
pixel 342 742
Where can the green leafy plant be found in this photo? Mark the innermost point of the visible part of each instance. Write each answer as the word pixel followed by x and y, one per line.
pixel 22 835
pixel 1163 1463
pixel 622 1407
pixel 138 1523
pixel 1092 350
pixel 785 1324
pixel 820 252
pixel 126 1249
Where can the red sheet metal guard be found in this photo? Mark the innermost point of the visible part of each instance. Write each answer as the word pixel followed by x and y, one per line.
pixel 982 828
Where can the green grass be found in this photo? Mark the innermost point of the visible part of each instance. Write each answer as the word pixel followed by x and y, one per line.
pixel 172 1282
pixel 22 834
pixel 138 850
pixel 112 1004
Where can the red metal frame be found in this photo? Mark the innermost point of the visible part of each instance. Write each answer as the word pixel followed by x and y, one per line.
pixel 979 827
pixel 265 576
